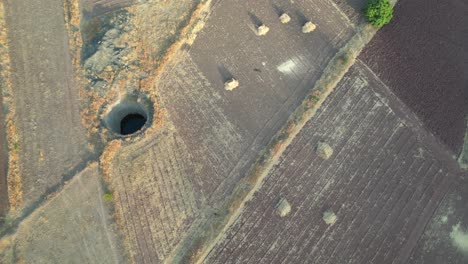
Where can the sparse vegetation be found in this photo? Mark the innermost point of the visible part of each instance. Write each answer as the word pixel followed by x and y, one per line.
pixel 344 58
pixel 324 150
pixel 329 217
pixel 108 197
pixel 378 12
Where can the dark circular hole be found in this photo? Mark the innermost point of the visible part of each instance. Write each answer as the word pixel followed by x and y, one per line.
pixel 132 123
pixel 129 116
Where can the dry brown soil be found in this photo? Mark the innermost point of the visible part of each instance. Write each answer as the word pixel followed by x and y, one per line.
pixel 422 55
pixel 437 244
pixel 52 140
pixel 75 226
pixel 213 136
pixel 384 181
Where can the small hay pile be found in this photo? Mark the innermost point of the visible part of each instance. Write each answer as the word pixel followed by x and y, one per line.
pixel 285 18
pixel 329 217
pixel 324 150
pixel 231 84
pixel 283 208
pixel 308 27
pixel 262 30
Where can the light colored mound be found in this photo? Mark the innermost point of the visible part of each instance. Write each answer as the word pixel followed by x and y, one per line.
pixel 285 18
pixel 283 208
pixel 308 27
pixel 231 84
pixel 324 150
pixel 459 238
pixel 262 30
pixel 329 217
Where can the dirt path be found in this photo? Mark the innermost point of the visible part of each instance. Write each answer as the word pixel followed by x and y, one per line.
pixel 3 165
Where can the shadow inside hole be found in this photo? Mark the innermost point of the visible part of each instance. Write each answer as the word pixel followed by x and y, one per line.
pixel 132 123
pixel 130 115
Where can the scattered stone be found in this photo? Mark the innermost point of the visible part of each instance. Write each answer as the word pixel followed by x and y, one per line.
pixel 285 18
pixel 283 208
pixel 231 84
pixel 329 217
pixel 262 30
pixel 324 150
pixel 308 27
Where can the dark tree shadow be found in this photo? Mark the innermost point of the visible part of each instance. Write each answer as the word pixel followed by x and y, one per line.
pixel 255 20
pixel 301 17
pixel 225 73
pixel 278 10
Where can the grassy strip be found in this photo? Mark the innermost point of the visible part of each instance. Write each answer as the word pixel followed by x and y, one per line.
pixel 14 182
pixel 212 231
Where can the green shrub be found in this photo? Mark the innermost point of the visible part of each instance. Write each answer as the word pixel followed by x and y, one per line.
pixel 378 12
pixel 108 196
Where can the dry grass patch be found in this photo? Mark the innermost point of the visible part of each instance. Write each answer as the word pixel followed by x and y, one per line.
pixel 231 84
pixel 285 18
pixel 308 27
pixel 324 150
pixel 262 30
pixel 283 208
pixel 329 217
pixel 14 182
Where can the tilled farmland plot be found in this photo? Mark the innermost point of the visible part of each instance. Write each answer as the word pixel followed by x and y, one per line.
pixel 215 135
pixel 445 237
pixel 275 71
pixel 73 227
pixel 423 57
pixel 52 140
pixel 384 180
pixel 157 198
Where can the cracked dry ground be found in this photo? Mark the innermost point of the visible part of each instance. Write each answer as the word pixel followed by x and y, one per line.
pixel 389 181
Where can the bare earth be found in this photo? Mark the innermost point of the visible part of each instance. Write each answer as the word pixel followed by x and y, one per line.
pixel 383 182
pixel 445 238
pixel 213 136
pixel 423 57
pixel 73 227
pixel 52 140
pixel 395 190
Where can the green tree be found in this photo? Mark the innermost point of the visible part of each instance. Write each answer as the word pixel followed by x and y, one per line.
pixel 378 12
